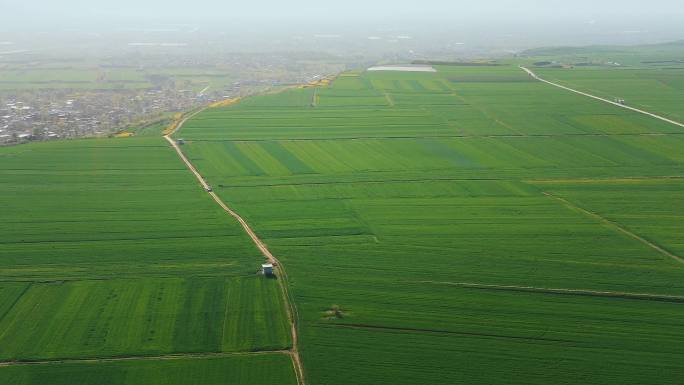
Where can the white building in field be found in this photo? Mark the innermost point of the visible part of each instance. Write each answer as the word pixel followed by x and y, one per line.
pixel 267 269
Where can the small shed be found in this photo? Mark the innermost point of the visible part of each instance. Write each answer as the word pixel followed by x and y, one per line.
pixel 180 142
pixel 267 269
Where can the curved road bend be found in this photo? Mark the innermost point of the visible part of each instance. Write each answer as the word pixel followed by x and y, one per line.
pixel 291 309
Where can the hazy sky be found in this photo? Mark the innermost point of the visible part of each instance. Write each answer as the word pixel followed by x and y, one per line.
pixel 342 11
pixel 506 23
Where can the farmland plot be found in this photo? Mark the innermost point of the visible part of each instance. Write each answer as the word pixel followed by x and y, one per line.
pixel 150 317
pixel 111 250
pixel 267 369
pixel 421 245
pixel 103 208
pixel 653 210
pixel 654 89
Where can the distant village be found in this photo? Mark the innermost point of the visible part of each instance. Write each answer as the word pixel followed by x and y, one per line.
pixel 37 114
pixel 43 115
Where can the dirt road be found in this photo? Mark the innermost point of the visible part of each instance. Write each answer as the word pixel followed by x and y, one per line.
pixel 664 119
pixel 282 281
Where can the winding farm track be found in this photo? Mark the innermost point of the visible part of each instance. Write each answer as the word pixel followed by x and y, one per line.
pixel 664 119
pixel 282 280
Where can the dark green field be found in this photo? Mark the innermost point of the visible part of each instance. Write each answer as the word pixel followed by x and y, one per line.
pixel 270 369
pixel 415 205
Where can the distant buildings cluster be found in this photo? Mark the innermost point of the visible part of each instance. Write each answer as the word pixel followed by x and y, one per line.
pixel 172 83
pixel 56 114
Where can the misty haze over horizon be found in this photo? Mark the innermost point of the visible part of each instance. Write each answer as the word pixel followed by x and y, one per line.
pixel 503 25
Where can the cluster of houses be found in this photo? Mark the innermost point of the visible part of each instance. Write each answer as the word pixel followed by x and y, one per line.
pixel 56 114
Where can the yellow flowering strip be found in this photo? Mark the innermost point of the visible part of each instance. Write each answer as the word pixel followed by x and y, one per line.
pixel 224 103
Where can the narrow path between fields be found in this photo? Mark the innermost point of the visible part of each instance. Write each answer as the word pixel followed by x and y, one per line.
pixel 615 226
pixel 394 329
pixel 590 213
pixel 314 98
pixel 462 179
pixel 282 279
pixel 577 292
pixel 664 119
pixel 449 136
pixel 179 356
pixel 389 99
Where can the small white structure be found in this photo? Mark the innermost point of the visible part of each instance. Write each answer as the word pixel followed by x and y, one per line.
pixel 404 68
pixel 267 269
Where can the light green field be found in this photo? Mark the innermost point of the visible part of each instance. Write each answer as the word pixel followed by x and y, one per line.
pixel 113 208
pixel 663 55
pixel 649 77
pixel 465 226
pixel 110 248
pixel 71 78
pixel 418 211
pixel 96 77
pixel 657 90
pixel 143 317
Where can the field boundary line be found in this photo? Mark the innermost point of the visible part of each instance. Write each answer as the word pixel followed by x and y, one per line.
pixel 616 226
pixel 659 117
pixel 460 179
pixel 178 356
pixel 619 179
pixel 449 136
pixel 291 309
pixel 436 331
pixel 487 114
pixel 564 291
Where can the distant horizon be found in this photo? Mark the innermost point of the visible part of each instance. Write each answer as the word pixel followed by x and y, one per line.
pixel 323 38
pixel 271 15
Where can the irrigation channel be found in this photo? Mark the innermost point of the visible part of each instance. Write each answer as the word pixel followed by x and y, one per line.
pixel 282 275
